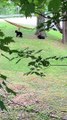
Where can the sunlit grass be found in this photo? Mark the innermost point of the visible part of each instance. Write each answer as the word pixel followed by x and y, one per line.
pixel 51 46
pixel 50 89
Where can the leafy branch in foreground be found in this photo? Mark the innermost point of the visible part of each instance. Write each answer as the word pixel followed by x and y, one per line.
pixel 37 63
pixel 4 90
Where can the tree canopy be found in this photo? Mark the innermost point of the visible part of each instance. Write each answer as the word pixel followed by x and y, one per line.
pixel 53 10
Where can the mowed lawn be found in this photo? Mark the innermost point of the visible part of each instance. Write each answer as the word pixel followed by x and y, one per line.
pixel 51 90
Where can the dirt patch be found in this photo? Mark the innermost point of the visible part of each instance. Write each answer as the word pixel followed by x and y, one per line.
pixel 25 99
pixel 18 87
pixel 1 81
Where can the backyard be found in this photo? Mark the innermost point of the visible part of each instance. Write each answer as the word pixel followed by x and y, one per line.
pixel 38 98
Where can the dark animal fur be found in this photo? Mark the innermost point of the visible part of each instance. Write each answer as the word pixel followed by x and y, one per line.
pixel 18 34
pixel 40 37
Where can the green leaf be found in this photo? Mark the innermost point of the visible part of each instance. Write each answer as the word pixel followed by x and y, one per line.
pixel 38 59
pixel 28 9
pixel 18 61
pixel 31 63
pixel 4 83
pixel 0 86
pixel 2 106
pixel 30 1
pixel 45 63
pixel 3 76
pixel 54 5
pixel 10 90
pixel 39 2
pixel 38 51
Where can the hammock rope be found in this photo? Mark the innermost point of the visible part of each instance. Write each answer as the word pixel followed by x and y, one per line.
pixel 20 26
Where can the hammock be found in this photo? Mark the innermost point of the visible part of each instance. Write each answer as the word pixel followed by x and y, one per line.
pixel 20 26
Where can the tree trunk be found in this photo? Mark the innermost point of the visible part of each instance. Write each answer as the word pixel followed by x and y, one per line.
pixel 64 32
pixel 59 27
pixel 40 19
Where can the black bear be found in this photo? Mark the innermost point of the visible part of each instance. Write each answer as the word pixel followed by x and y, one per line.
pixel 40 36
pixel 18 34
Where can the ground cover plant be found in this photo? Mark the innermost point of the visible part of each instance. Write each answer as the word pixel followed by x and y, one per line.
pixel 38 98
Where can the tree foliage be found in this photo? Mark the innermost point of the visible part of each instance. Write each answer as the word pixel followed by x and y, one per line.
pixel 53 11
pixel 56 7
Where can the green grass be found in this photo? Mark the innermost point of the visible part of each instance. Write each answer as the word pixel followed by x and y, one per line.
pixel 51 89
pixel 49 45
